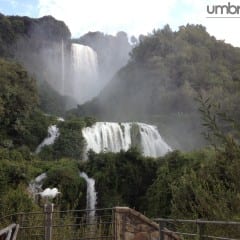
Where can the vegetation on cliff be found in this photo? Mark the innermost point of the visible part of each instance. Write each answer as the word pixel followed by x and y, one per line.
pixel 18 101
pixel 30 42
pixel 15 30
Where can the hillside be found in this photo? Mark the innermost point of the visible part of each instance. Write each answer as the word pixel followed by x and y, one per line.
pixel 167 71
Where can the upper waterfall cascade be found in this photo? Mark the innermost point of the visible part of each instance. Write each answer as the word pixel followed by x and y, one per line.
pixel 85 72
pixel 113 137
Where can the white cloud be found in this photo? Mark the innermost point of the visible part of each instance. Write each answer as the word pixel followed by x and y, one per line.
pixel 136 17
pixel 108 15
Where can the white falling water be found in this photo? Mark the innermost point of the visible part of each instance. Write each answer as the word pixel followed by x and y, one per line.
pixel 107 137
pixel 113 137
pixel 63 68
pixel 85 73
pixel 53 134
pixel 152 143
pixel 91 195
pixel 35 185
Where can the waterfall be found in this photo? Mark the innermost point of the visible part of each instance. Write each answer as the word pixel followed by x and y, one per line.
pixel 113 137
pixel 85 73
pixel 152 143
pixel 107 136
pixel 91 196
pixel 63 68
pixel 35 185
pixel 53 133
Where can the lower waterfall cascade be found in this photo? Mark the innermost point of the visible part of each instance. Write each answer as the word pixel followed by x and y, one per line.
pixel 35 186
pixel 113 137
pixel 91 195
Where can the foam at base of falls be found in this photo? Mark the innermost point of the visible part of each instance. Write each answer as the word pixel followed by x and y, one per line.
pixel 113 137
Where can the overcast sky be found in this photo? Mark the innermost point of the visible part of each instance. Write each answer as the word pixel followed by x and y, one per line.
pixel 132 16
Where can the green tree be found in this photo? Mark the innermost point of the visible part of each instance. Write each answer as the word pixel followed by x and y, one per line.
pixel 121 178
pixel 70 143
pixel 213 190
pixel 65 176
pixel 18 98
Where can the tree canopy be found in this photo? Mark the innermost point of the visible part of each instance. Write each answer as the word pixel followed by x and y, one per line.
pixel 18 98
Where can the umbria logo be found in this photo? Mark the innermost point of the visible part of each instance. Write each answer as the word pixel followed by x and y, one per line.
pixel 223 11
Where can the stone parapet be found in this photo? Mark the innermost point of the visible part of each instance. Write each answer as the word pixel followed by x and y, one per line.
pixel 132 225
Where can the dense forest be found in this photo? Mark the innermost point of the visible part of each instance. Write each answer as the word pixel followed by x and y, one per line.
pixel 179 80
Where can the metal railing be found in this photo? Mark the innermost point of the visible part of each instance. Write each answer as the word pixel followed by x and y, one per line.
pixel 102 224
pixel 9 232
pixel 69 225
pixel 199 229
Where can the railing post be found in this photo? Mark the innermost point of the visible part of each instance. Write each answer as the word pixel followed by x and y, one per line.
pixel 114 224
pixel 200 230
pixel 48 211
pixel 21 225
pixel 162 225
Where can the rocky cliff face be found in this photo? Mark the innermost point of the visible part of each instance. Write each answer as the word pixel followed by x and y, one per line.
pixel 24 33
pixel 37 45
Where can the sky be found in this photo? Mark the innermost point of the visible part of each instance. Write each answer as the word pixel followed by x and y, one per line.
pixel 132 16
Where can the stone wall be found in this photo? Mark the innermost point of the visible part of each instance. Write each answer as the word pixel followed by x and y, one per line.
pixel 132 225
